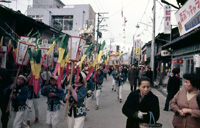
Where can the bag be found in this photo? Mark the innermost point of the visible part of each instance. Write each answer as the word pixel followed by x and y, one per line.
pixel 154 125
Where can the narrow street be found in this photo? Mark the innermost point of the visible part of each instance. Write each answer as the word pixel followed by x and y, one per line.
pixel 109 114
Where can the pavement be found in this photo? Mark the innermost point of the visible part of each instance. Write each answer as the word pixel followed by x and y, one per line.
pixel 109 114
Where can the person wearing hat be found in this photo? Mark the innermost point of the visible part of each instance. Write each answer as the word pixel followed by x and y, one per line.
pixel 98 80
pixel 19 97
pixel 54 95
pixel 77 109
pixel 119 81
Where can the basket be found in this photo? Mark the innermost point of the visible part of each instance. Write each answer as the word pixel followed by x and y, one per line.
pixel 154 125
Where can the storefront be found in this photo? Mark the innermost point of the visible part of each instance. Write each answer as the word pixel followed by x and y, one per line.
pixel 187 59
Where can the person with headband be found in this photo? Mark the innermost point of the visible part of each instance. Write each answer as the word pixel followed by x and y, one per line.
pixel 19 97
pixel 98 80
pixel 77 109
pixel 54 95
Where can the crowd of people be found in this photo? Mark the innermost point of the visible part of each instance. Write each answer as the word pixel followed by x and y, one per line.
pixel 139 104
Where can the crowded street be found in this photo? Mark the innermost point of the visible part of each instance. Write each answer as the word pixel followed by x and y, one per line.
pixel 109 114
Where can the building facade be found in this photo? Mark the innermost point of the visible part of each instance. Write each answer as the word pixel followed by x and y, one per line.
pixel 71 18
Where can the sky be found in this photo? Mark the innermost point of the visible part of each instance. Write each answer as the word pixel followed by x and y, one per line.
pixel 137 12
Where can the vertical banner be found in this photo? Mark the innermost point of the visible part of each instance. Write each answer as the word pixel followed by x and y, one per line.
pixel 167 19
pixel 73 47
pixel 137 50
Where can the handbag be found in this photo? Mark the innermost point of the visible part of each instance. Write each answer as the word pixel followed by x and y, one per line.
pixel 154 125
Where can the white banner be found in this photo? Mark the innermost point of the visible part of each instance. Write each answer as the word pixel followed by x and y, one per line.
pixel 167 19
pixel 73 46
pixel 187 16
pixel 22 57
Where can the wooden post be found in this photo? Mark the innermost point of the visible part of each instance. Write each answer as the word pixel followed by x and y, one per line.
pixel 70 82
pixel 9 102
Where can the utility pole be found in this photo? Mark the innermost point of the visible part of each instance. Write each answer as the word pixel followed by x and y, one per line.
pixel 99 20
pixel 153 40
pixel 133 57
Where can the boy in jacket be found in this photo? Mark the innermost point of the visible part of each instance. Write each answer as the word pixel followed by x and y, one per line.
pixel 54 95
pixel 19 96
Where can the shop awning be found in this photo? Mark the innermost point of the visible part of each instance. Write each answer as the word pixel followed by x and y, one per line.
pixel 189 38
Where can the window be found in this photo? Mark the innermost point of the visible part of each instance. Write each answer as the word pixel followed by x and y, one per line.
pixel 37 17
pixel 64 22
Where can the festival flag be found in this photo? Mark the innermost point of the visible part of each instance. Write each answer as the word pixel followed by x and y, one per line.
pixel 82 59
pixel 37 58
pixel 61 59
pixel 92 65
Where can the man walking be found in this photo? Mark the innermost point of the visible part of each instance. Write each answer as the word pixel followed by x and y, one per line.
pixel 132 77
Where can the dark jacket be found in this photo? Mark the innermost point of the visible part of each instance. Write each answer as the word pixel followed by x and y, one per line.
pixel 78 106
pixel 133 105
pixel 173 85
pixel 119 82
pixel 53 102
pixel 21 94
pixel 132 76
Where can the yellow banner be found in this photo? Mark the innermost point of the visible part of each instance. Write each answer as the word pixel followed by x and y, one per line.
pixel 137 51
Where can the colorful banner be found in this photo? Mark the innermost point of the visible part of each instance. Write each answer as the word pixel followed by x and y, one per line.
pixel 187 16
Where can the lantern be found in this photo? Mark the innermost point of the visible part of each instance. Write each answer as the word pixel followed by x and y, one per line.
pixel 23 57
pixel 46 62
pixel 75 46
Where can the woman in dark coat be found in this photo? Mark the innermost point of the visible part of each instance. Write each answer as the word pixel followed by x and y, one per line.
pixel 173 87
pixel 139 103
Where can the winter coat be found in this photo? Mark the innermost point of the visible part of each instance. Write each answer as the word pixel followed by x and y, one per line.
pixel 132 76
pixel 173 85
pixel 190 120
pixel 134 104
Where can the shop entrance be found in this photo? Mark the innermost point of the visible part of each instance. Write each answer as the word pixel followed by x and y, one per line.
pixel 190 65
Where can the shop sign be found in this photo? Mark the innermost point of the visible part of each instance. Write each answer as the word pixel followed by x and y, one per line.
pixel 187 16
pixel 165 53
pixel 177 61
